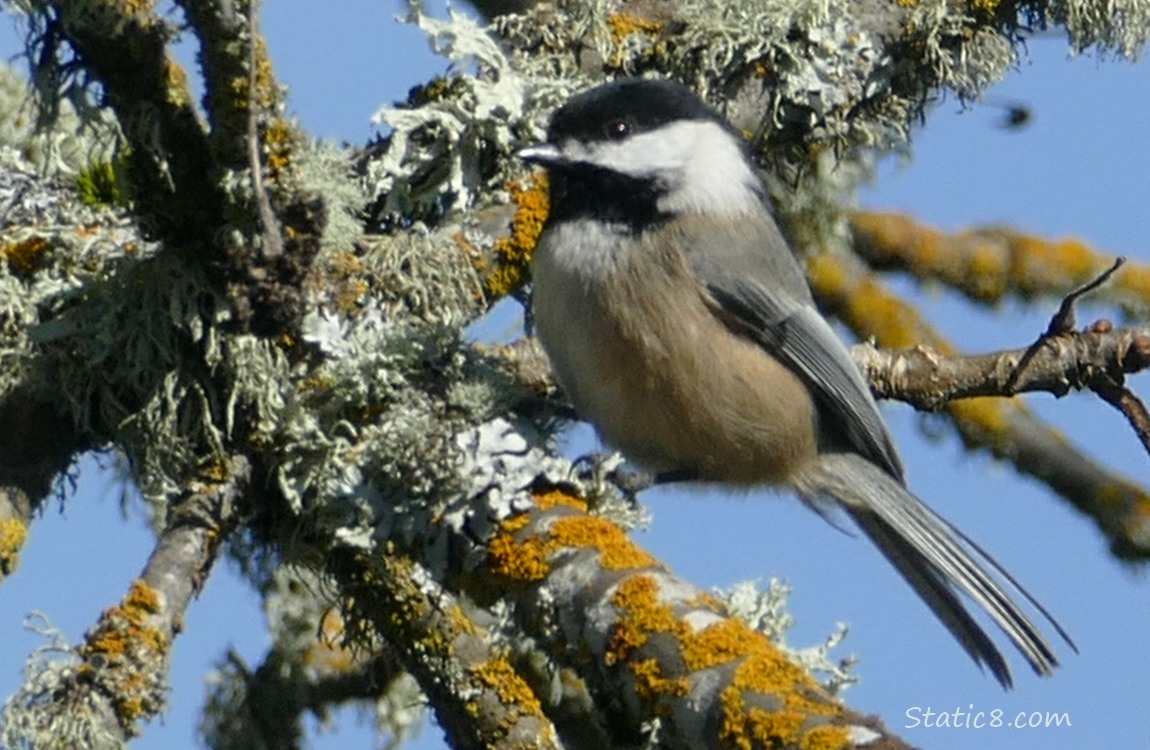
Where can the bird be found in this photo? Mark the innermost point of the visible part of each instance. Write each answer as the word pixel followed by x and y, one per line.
pixel 680 324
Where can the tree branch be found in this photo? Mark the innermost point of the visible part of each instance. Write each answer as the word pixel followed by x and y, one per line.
pixel 1005 427
pixel 263 709
pixel 657 654
pixel 124 46
pixel 927 379
pixel 478 697
pixel 241 90
pixel 121 677
pixel 37 444
pixel 990 264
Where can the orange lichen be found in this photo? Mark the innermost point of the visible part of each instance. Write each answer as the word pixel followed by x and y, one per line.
pixel 13 535
pixel 346 276
pixel 868 308
pixel 766 671
pixel 757 727
pixel 512 252
pixel 762 668
pixel 895 235
pixel 825 737
pixel 989 422
pixel 986 263
pixel 461 622
pixel 1040 265
pixel 265 93
pixel 142 600
pixel 327 651
pixel 499 675
pixel 558 498
pixel 25 257
pixel 279 141
pixel 518 560
pixel 616 550
pixel 990 416
pixel 988 270
pixel 1125 510
pixel 1134 280
pixel 632 36
pixel 125 654
pixel 650 680
pixel 526 559
pixel 718 644
pixel 623 25
pixel 642 614
pixel 177 84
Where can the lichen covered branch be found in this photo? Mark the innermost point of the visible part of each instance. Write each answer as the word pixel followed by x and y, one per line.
pixel 1004 427
pixel 123 46
pixel 477 694
pixel 118 677
pixel 927 378
pixel 658 655
pixel 991 264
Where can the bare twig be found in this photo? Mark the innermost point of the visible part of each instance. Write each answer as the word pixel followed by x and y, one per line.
pixel 1062 323
pixel 272 231
pixel 1131 407
pixel 1065 320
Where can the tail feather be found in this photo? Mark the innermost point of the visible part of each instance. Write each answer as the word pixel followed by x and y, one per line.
pixel 935 558
pixel 938 594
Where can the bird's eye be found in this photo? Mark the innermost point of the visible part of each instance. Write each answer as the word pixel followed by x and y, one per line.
pixel 617 129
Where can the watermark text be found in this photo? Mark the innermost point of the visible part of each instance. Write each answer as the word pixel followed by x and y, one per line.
pixel 974 718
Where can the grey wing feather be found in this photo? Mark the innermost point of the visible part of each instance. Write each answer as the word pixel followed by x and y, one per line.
pixel 788 326
pixel 760 293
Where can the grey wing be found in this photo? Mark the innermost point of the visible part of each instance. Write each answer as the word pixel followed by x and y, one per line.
pixel 767 304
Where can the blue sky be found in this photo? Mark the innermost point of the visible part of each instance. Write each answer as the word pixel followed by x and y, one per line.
pixel 1080 168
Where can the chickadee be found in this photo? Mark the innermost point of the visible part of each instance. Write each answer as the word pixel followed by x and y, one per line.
pixel 680 324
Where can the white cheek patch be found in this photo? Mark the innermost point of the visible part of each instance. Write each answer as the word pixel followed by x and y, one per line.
pixel 698 164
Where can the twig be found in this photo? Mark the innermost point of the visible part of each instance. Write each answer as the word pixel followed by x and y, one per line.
pixel 272 234
pixel 1131 407
pixel 1063 321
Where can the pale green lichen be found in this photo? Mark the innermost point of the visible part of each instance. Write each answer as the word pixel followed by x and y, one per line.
pixel 434 162
pixel 35 717
pixel 1121 27
pixel 766 612
pixel 51 143
pixel 83 245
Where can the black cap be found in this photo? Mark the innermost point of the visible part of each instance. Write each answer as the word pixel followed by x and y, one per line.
pixel 627 106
